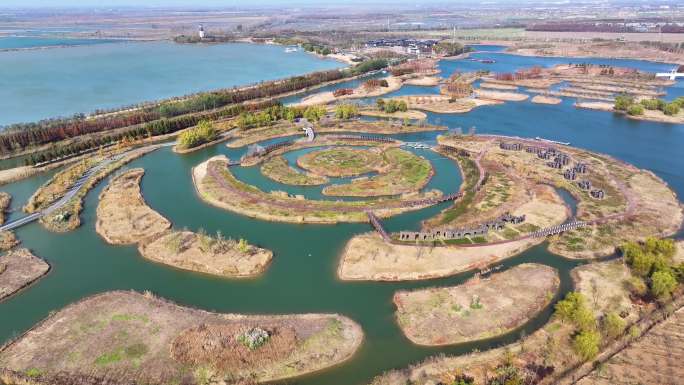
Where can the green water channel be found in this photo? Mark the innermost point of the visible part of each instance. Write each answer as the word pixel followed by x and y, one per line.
pixel 302 277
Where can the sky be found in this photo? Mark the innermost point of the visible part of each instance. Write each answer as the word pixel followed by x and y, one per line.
pixel 210 3
pixel 158 3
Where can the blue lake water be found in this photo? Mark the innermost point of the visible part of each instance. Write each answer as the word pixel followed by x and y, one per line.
pixel 39 84
pixel 19 42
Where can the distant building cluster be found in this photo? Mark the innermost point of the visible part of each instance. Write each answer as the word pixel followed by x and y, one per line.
pixel 558 160
pixel 409 46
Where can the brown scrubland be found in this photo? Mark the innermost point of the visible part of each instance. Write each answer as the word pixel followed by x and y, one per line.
pixel 18 269
pixel 483 307
pixel 127 337
pixel 123 216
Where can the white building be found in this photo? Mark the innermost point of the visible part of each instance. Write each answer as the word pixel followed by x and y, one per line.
pixel 201 32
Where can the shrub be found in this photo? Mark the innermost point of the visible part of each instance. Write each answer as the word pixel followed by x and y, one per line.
pixel 475 303
pixel 507 375
pixel 637 286
pixel 374 84
pixel 653 104
pixel 568 307
pixel 633 331
pixel 449 48
pixel 584 318
pixel 243 246
pixel 393 106
pixel 663 283
pixel 34 372
pixel 671 109
pixel 314 113
pixel 254 338
pixel 653 254
pixel 635 110
pixel 622 102
pixel 586 344
pixel 346 111
pixel 203 133
pixel 613 325
pixel 368 66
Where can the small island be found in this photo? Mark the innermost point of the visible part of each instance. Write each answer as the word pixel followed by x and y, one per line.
pixel 277 169
pixel 216 184
pixel 18 269
pixel 123 216
pixel 402 172
pixel 482 308
pixel 142 338
pixel 510 202
pixel 342 161
pixel 207 254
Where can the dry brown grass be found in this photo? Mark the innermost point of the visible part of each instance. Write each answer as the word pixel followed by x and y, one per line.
pixel 444 104
pixel 21 268
pixel 285 128
pixel 202 253
pixel 542 99
pixel 217 345
pixel 679 255
pixel 638 204
pixel 610 49
pixel 216 185
pixel 279 170
pixel 7 240
pixel 550 345
pixel 5 200
pixel 342 161
pixel 130 337
pixel 394 83
pixel 604 284
pixel 477 309
pixel 368 257
pixel 500 95
pixel 656 359
pixel 123 217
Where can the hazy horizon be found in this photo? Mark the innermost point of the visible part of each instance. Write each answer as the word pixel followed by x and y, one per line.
pixel 19 4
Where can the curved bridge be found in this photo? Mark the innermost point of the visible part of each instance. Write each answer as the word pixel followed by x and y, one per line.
pixel 73 190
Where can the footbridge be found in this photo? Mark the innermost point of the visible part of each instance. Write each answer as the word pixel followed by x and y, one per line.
pixel 378 226
pixel 558 229
pixel 71 192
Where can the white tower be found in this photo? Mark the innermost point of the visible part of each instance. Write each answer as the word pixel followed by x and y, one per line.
pixel 201 32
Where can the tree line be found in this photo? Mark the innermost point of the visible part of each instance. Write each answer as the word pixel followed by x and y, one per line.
pixel 22 136
pixel 148 130
pixel 273 114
